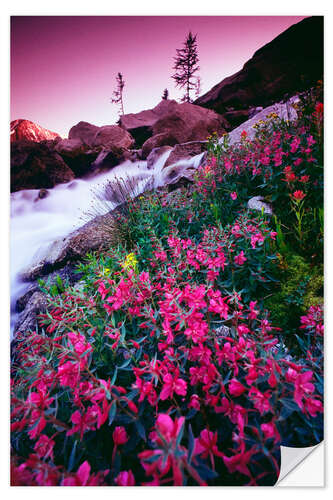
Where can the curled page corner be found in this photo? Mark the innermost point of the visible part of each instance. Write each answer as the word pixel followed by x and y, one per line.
pixel 291 458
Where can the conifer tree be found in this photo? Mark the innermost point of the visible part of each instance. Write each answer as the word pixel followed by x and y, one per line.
pixel 186 66
pixel 165 94
pixel 118 93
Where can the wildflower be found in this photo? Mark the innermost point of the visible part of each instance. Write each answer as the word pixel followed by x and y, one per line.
pixel 233 195
pixel 172 383
pixel 206 446
pixel 256 238
pixel 240 259
pixel 168 428
pixel 313 406
pixel 239 462
pixel 260 400
pixel 83 422
pixel 236 388
pixel 44 447
pixel 270 431
pixel 130 262
pixel 299 195
pixel 125 478
pixel 84 478
pixel 244 134
pixel 303 387
pixel 119 436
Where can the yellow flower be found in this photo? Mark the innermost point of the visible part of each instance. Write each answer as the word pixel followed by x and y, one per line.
pixel 130 262
pixel 105 272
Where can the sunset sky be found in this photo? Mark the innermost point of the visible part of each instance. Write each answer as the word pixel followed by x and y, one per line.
pixel 63 68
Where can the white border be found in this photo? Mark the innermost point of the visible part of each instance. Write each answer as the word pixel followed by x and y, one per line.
pixel 132 7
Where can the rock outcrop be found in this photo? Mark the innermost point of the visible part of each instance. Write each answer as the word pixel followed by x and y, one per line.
pixel 34 165
pixel 157 141
pixel 283 110
pixel 101 137
pixel 185 151
pixel 90 148
pixel 26 130
pixel 94 235
pixel 180 122
pixel 291 62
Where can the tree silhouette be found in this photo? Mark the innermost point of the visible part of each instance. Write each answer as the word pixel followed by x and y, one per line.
pixel 165 95
pixel 186 65
pixel 118 93
pixel 198 87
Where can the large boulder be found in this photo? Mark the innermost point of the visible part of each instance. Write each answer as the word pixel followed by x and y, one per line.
pixel 157 141
pixel 113 136
pixel 26 130
pixel 101 137
pixel 77 155
pixel 185 151
pixel 91 148
pixel 34 165
pixel 291 62
pixel 188 122
pixel 83 131
pixel 283 110
pixel 155 154
pixel 140 124
pixel 110 157
pixel 181 122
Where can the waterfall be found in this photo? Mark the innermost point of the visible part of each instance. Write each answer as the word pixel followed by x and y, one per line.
pixel 37 222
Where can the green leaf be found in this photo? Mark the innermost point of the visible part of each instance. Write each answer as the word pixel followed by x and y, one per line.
pixel 112 412
pixel 72 458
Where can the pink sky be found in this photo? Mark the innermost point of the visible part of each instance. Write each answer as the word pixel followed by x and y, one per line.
pixel 63 68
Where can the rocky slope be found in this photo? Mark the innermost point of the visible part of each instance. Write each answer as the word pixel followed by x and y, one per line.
pixel 293 61
pixel 29 131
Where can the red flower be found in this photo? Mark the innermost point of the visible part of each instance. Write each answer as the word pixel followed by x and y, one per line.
pixel 44 447
pixel 240 259
pixel 244 134
pixel 125 478
pixel 172 383
pixel 83 477
pixel 269 430
pixel 299 195
pixel 236 388
pixel 303 386
pixel 206 446
pixel 119 436
pixel 239 462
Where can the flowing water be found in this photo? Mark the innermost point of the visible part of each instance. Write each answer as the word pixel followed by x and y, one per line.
pixel 37 222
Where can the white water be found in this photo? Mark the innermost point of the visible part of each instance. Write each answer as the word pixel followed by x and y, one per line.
pixel 36 223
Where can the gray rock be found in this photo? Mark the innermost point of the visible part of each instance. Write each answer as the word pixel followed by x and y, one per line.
pixel 96 234
pixel 185 151
pixel 223 331
pixel 258 203
pixel 284 110
pixel 157 141
pixel 27 320
pixel 155 154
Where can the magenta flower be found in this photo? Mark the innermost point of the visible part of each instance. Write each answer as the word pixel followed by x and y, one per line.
pixel 240 259
pixel 120 436
pixel 125 478
pixel 236 388
pixel 172 383
pixel 233 195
